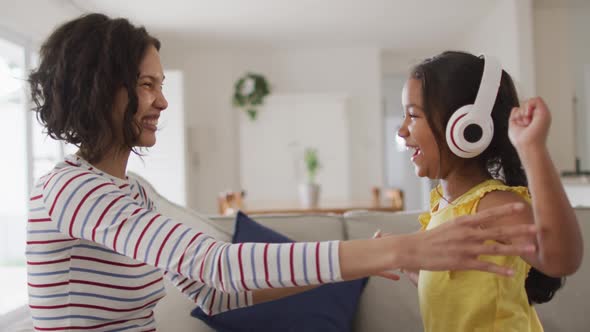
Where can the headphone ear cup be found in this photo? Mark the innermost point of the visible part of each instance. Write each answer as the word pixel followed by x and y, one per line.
pixel 454 135
pixel 467 133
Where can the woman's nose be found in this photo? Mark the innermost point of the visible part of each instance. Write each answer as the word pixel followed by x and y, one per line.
pixel 161 103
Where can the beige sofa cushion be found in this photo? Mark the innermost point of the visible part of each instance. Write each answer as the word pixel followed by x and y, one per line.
pixel 386 305
pixel 299 227
pixel 173 311
pixel 568 311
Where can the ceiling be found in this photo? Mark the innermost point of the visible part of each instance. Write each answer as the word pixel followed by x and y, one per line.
pixel 390 24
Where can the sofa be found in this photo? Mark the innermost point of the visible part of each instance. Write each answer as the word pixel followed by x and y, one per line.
pixel 384 305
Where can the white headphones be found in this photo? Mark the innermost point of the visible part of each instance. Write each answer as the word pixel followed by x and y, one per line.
pixel 471 128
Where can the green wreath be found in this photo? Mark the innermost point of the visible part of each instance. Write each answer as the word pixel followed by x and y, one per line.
pixel 249 93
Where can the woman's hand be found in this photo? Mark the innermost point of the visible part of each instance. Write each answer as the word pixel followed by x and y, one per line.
pixel 457 244
pixel 386 274
pixel 529 124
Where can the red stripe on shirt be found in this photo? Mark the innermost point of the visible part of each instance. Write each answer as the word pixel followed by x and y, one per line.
pixel 142 234
pixel 48 285
pixel 121 227
pixel 291 264
pixel 40 220
pixel 184 251
pixel 62 189
pixel 63 328
pixel 164 242
pixel 266 265
pixel 36 197
pixel 98 260
pixel 219 269
pixel 51 177
pixel 317 262
pixel 99 284
pixel 204 259
pixel 48 262
pixel 49 241
pixel 241 267
pixel 81 203
pixel 182 282
pixel 90 306
pixel 102 216
pixel 188 286
pixel 212 301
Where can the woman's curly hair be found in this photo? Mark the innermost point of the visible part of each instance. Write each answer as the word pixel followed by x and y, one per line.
pixel 83 64
pixel 451 80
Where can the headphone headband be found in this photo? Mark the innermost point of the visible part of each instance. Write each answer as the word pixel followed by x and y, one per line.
pixel 489 86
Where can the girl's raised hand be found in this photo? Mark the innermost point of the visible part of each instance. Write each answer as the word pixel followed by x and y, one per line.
pixel 529 124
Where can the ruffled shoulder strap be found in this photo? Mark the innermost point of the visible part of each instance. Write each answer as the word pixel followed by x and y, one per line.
pixel 424 220
pixel 471 201
pixel 497 185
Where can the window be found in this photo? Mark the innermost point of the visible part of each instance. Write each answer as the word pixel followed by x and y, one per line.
pixel 15 172
pixel 26 154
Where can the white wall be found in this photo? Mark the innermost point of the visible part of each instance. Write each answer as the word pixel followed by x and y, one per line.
pixel 554 80
pixel 506 33
pixel 33 20
pixel 579 25
pixel 212 122
pixel 272 150
pixel 533 46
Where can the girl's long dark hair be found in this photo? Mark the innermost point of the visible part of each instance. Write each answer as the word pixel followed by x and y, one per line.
pixel 451 80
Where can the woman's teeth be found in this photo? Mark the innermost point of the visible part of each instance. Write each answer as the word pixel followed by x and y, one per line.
pixel 151 122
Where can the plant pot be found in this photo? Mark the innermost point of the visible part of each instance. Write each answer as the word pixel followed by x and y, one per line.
pixel 309 195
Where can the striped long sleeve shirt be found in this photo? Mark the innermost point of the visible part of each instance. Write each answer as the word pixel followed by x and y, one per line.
pixel 97 252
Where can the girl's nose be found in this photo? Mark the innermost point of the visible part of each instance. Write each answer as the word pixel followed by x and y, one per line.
pixel 403 131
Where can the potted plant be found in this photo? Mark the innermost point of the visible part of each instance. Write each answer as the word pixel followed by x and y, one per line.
pixel 309 192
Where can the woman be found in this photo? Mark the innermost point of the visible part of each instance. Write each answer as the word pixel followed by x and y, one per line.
pixel 97 248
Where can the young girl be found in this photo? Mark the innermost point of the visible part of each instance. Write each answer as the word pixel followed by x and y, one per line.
pixel 471 182
pixel 98 250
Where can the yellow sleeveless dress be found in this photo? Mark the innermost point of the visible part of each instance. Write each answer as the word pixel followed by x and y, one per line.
pixel 468 301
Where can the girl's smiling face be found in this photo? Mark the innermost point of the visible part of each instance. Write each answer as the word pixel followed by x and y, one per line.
pixel 417 134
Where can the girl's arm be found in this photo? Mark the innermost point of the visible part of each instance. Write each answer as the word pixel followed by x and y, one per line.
pixel 559 239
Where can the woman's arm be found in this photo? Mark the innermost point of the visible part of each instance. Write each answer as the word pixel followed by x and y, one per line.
pixel 560 244
pixel 455 245
pixel 82 204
